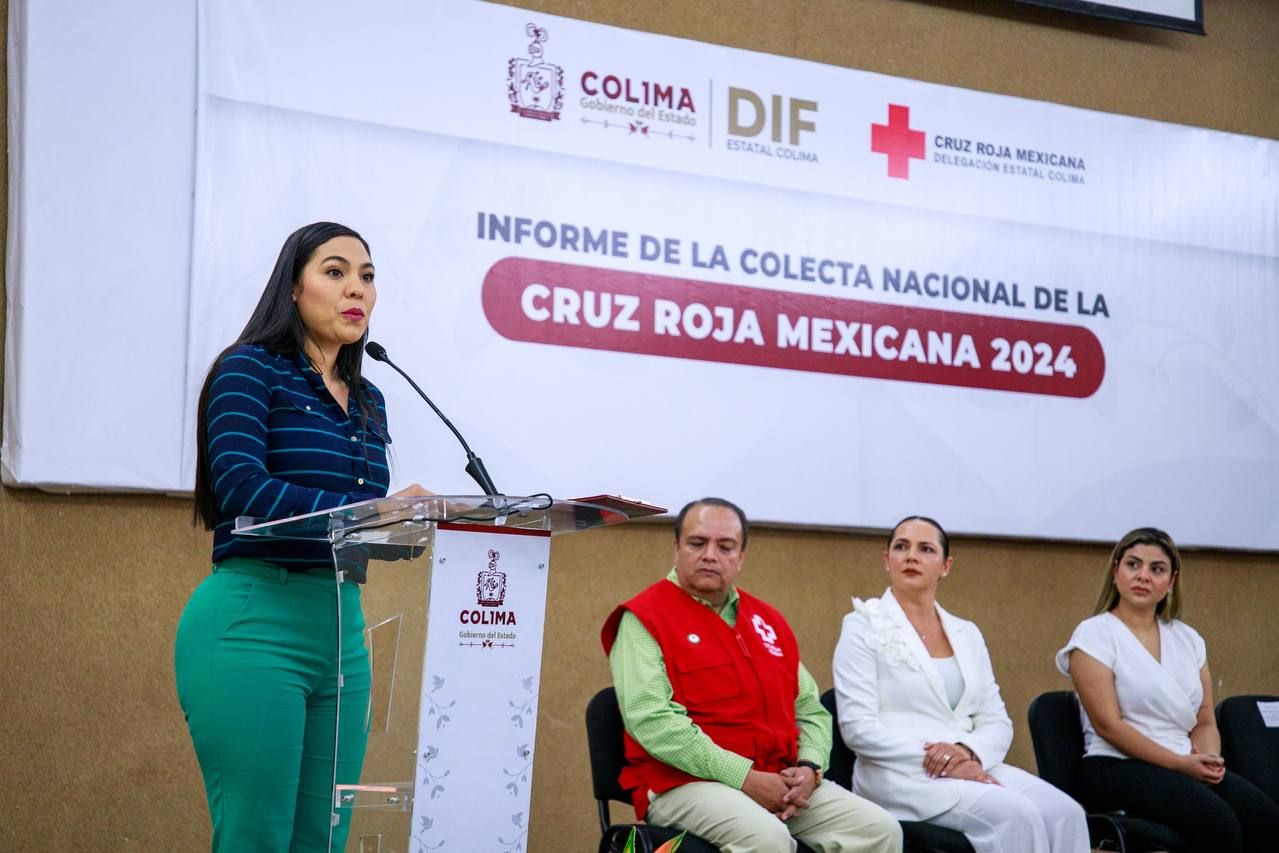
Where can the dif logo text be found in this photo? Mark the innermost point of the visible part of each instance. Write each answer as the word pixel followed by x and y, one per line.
pixel 771 125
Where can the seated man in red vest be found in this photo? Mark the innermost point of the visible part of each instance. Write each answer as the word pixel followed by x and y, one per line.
pixel 725 732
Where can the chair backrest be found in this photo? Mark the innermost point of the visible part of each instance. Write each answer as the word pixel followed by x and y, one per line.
pixel 1250 748
pixel 1058 738
pixel 841 757
pixel 604 741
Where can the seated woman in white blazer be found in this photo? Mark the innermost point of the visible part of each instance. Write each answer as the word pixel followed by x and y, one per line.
pixel 919 705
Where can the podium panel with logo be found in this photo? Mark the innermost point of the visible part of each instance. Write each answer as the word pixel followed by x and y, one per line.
pixel 453 593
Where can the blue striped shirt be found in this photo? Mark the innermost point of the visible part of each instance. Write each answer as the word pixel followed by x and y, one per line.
pixel 280 445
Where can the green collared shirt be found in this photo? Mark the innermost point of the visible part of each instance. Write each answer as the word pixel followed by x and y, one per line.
pixel 662 726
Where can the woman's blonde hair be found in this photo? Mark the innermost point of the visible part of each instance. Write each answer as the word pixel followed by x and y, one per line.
pixel 1170 607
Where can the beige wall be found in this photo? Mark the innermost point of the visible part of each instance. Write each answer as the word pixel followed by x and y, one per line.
pixel 96 755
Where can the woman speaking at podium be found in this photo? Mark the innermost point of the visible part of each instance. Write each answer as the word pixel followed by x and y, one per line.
pixel 286 425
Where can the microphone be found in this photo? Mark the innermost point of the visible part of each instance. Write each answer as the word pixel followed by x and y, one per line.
pixel 474 465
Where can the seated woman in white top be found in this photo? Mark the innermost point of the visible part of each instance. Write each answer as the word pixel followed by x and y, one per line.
pixel 1150 739
pixel 918 703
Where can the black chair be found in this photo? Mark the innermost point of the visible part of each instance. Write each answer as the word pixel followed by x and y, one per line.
pixel 920 836
pixel 1250 748
pixel 1058 738
pixel 608 756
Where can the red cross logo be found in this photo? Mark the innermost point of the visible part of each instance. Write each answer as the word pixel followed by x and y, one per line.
pixel 898 141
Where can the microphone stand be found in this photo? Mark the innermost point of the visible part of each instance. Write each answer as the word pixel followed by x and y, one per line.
pixel 474 465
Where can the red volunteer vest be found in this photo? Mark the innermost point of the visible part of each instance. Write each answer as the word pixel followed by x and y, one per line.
pixel 738 683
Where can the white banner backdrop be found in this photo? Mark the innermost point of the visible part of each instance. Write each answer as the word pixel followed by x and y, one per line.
pixel 834 296
pixel 101 171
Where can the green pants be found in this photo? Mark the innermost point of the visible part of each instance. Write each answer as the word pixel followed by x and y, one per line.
pixel 257 676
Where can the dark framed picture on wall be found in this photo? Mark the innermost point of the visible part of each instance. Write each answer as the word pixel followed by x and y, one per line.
pixel 1186 15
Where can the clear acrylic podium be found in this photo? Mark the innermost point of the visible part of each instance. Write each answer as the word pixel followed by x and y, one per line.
pixel 454 602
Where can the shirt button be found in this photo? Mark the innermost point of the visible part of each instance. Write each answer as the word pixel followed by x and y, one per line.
pixel 308 408
pixel 360 481
pixel 353 438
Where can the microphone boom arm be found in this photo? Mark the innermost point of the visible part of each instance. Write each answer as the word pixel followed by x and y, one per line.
pixel 474 464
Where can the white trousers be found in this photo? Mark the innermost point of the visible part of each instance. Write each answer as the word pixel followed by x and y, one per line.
pixel 1023 814
pixel 836 821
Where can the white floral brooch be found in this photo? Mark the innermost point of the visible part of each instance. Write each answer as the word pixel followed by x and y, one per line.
pixel 888 632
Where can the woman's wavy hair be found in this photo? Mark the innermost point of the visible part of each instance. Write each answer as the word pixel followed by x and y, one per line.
pixel 1170 607
pixel 276 325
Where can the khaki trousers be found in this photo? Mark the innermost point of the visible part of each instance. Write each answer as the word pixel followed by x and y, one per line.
pixel 836 821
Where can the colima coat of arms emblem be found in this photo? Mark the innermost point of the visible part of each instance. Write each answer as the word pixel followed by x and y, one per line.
pixel 535 87
pixel 490 584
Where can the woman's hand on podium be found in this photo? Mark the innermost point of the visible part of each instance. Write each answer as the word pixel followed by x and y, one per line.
pixel 413 491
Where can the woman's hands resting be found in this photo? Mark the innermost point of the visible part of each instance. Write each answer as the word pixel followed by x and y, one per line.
pixel 953 761
pixel 1203 767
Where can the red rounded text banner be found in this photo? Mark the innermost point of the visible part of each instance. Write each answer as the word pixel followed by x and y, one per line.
pixel 578 306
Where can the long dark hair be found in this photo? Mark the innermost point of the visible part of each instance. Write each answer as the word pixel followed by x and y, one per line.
pixel 276 325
